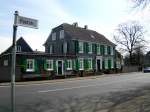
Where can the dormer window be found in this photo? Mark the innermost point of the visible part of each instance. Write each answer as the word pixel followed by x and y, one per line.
pixel 61 34
pixel 53 36
pixel 92 36
pixel 51 49
pixel 18 48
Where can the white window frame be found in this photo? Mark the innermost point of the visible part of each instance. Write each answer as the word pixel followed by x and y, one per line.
pixel 90 48
pixel 49 62
pixel 5 62
pixel 105 48
pixel 90 63
pixel 106 63
pixel 51 49
pixel 98 49
pixel 118 65
pixel 112 51
pixel 112 63
pixel 81 47
pixel 69 67
pixel 81 62
pixel 18 48
pixel 31 68
pixel 54 36
pixel 61 34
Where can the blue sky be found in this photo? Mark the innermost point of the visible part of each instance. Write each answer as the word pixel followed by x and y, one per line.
pixel 100 15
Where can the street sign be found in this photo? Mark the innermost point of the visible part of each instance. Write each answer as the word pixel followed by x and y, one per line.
pixel 27 22
pixel 18 21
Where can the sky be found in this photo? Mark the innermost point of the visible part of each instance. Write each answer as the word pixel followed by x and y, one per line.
pixel 102 16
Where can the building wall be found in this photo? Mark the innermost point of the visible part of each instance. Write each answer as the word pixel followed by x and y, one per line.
pixel 5 74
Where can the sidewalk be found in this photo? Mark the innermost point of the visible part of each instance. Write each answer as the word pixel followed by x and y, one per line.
pixel 61 80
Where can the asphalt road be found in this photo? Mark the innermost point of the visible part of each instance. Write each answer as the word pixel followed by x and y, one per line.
pixel 66 96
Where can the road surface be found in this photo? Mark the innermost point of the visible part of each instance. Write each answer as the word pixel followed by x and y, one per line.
pixel 69 96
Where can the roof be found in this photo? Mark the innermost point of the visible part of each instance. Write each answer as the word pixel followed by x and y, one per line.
pixel 78 33
pixel 21 42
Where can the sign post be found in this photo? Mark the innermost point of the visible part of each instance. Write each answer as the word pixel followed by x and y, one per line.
pixel 18 21
pixel 13 63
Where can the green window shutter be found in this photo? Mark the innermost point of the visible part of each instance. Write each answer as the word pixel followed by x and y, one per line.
pixel 73 64
pixel 87 47
pixel 102 49
pixel 66 64
pixel 45 65
pixel 93 48
pixel 84 47
pixel 109 49
pixel 93 63
pixel 24 65
pixel 109 64
pixel 85 64
pixel 103 64
pixel 54 65
pixel 77 64
pixel 96 49
pixel 35 65
pixel 76 46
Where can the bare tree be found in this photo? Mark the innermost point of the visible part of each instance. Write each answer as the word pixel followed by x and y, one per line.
pixel 141 3
pixel 129 36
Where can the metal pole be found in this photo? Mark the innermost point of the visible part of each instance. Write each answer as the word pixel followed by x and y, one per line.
pixel 13 63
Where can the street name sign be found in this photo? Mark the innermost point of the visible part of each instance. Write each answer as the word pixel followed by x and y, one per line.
pixel 27 22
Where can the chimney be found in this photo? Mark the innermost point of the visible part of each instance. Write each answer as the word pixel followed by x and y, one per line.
pixel 85 26
pixel 75 24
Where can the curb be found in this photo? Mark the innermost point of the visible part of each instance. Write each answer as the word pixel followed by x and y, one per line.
pixel 62 80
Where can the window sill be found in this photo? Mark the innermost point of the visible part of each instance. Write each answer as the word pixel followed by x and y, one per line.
pixel 69 68
pixel 30 70
pixel 81 69
pixel 80 51
pixel 49 69
pixel 89 52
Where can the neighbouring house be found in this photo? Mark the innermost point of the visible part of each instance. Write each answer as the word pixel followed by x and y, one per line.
pixel 69 50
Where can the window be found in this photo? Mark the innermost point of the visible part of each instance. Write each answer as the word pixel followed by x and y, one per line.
pixel 64 47
pixel 5 62
pixel 61 34
pixel 106 63
pixel 118 65
pixel 106 50
pixel 49 65
pixel 90 63
pixel 69 64
pixel 98 49
pixel 112 51
pixel 89 48
pixel 102 49
pixel 51 49
pixel 53 36
pixel 112 63
pixel 80 47
pixel 109 50
pixel 81 66
pixel 18 48
pixel 30 65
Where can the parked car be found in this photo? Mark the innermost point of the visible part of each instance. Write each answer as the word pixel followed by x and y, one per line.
pixel 146 69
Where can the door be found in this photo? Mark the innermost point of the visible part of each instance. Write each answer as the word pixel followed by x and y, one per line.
pixel 98 65
pixel 59 68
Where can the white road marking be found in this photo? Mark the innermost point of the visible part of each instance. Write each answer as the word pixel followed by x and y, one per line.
pixel 78 87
